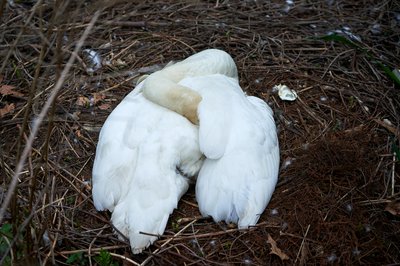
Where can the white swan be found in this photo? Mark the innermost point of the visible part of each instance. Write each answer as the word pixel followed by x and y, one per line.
pixel 146 153
pixel 237 134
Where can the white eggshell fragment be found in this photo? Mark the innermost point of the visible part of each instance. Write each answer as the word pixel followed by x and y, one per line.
pixel 285 93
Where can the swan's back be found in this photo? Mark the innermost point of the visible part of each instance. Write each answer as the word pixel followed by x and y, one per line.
pixel 207 62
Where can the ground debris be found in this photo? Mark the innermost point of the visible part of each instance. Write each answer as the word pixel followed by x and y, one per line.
pixel 275 250
pixel 339 177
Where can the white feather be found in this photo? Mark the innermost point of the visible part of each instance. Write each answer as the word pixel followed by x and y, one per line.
pixel 238 136
pixel 142 150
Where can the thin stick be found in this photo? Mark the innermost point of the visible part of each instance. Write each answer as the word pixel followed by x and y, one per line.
pixel 393 171
pixel 42 114
pixel 51 252
pixel 302 243
pixel 166 242
pixel 124 258
pixel 124 50
pixel 298 237
pixel 94 250
pixel 98 250
pixel 91 245
pixel 119 84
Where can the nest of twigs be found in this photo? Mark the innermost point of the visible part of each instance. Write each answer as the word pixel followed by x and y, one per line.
pixel 337 201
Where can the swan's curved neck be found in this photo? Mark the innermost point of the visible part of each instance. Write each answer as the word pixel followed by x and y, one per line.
pixel 162 87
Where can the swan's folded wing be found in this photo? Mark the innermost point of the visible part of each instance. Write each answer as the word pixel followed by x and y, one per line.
pixel 110 174
pixel 142 214
pixel 142 152
pixel 214 111
pixel 265 174
pixel 156 180
pixel 214 127
pixel 238 186
pixel 116 151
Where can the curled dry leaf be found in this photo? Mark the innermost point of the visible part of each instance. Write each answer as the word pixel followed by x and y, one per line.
pixel 90 101
pixel 82 101
pixel 393 208
pixel 6 109
pixel 78 133
pixel 275 250
pixel 119 62
pixel 97 97
pixel 104 106
pixel 9 90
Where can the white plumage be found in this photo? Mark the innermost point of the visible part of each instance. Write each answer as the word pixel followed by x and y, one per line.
pixel 143 153
pixel 238 136
pixel 146 152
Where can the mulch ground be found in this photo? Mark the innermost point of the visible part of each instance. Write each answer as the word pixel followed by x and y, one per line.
pixel 338 199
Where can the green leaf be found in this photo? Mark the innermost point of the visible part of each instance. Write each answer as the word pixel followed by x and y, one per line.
pixel 342 39
pixel 76 258
pixel 391 74
pixel 5 234
pixel 105 259
pixel 6 230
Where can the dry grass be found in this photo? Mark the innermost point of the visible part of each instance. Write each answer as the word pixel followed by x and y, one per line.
pixel 339 182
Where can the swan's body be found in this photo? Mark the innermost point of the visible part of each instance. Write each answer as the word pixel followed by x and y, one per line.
pixel 238 136
pixel 146 152
pixel 163 88
pixel 142 159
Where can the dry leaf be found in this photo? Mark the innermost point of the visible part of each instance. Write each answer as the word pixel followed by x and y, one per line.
pixel 118 63
pixel 82 101
pixel 78 133
pixel 393 208
pixel 6 109
pixel 104 106
pixel 97 97
pixel 9 90
pixel 275 250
